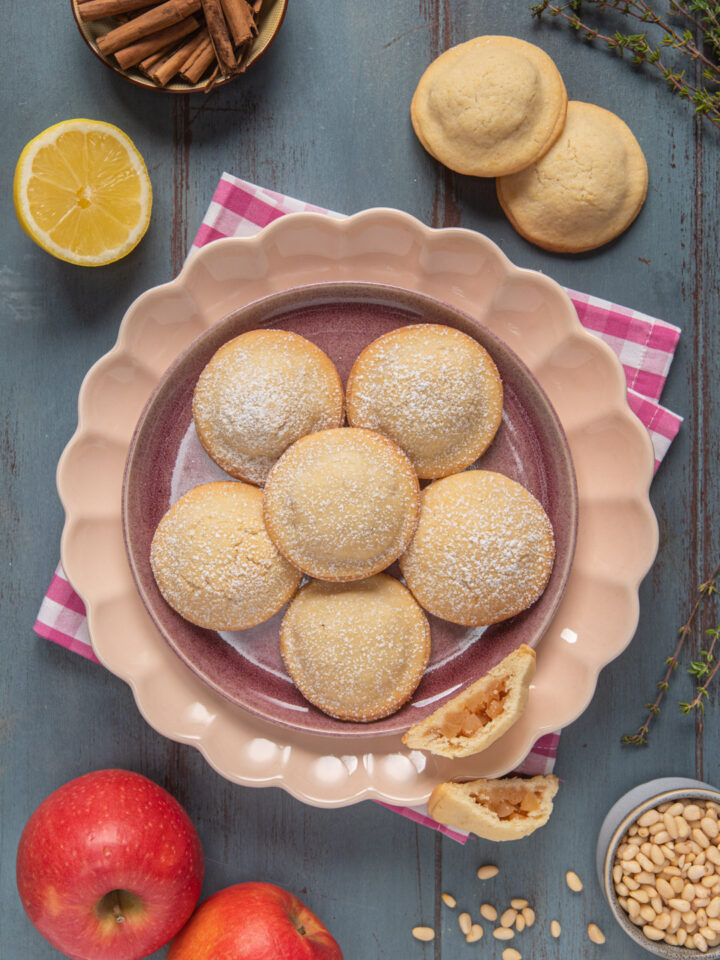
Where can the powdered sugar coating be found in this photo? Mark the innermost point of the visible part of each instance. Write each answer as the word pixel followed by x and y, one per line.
pixel 214 562
pixel 433 390
pixel 260 393
pixel 342 504
pixel 483 550
pixel 357 651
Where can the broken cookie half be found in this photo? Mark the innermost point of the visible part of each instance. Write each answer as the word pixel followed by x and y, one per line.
pixel 505 809
pixel 475 718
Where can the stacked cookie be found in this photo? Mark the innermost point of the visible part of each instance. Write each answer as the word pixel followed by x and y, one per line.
pixel 570 175
pixel 340 504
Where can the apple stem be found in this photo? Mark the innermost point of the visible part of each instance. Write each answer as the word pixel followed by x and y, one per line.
pixel 117 909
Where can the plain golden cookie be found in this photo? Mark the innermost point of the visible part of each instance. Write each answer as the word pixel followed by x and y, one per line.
pixel 214 562
pixel 342 504
pixel 490 106
pixel 357 651
pixel 433 390
pixel 483 550
pixel 483 712
pixel 506 809
pixel 260 393
pixel 585 191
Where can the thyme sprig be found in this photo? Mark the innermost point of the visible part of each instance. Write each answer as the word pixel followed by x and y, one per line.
pixel 703 669
pixel 699 41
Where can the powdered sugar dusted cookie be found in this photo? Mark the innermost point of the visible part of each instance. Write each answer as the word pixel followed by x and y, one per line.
pixel 433 390
pixel 357 651
pixel 260 393
pixel 214 562
pixel 483 550
pixel 342 504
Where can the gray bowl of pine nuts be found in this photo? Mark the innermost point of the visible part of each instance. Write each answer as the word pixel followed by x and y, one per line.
pixel 658 860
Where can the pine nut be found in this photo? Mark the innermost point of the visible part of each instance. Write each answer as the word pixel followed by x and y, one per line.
pixel 643 833
pixel 670 825
pixel 631 850
pixel 709 881
pixel 633 908
pixel 575 883
pixel 709 827
pixel 702 917
pixel 677 884
pixel 682 905
pixel 488 871
pixel 595 933
pixel 696 873
pixel 648 818
pixel 555 928
pixel 713 855
pixel 621 889
pixel 688 892
pixel 681 937
pixel 528 916
pixel 675 920
pixel 683 828
pixel 645 862
pixel 662 921
pixel 664 889
pixel 630 883
pixel 700 942
pixel 475 934
pixel 652 933
pixel 689 920
pixel 642 897
pixel 657 904
pixel 708 933
pixel 489 912
pixel 692 812
pixel 645 879
pixel 714 924
pixel 713 909
pixel 510 953
pixel 508 918
pixel 656 855
pixel 629 866
pixel 465 922
pixel 423 933
pixel 700 838
pixel 648 914
pixel 662 837
pixel 449 900
pixel 517 904
pixel 520 923
pixel 503 933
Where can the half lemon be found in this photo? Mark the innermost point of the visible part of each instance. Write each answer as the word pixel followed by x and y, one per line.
pixel 82 192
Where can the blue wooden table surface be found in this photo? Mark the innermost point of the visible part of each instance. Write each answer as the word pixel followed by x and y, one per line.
pixel 324 117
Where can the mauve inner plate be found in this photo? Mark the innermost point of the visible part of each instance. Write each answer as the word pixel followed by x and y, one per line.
pixel 166 459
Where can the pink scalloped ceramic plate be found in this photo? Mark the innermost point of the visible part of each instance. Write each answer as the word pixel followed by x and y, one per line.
pixel 611 451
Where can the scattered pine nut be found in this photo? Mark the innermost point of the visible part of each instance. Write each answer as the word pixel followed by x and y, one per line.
pixel 503 933
pixel 574 881
pixel 465 922
pixel 528 915
pixel 423 933
pixel 449 900
pixel 490 913
pixel 510 953
pixel 508 918
pixel 476 932
pixel 518 904
pixel 488 871
pixel 595 933
pixel 520 923
pixel 555 928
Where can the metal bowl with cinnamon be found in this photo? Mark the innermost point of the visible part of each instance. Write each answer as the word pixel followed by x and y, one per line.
pixel 179 46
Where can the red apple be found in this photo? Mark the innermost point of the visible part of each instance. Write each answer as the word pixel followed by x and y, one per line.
pixel 254 921
pixel 109 867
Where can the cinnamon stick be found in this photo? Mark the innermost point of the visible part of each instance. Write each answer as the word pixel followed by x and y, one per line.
pixel 164 15
pixel 132 55
pixel 166 68
pixel 196 66
pixel 220 36
pixel 150 61
pixel 240 19
pixel 89 10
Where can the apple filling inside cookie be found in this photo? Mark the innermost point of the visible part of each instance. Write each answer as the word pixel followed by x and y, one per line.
pixel 510 804
pixel 475 713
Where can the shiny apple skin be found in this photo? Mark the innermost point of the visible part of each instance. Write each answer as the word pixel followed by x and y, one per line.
pixel 109 830
pixel 254 921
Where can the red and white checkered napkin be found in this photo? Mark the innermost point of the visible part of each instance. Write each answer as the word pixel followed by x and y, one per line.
pixel 644 345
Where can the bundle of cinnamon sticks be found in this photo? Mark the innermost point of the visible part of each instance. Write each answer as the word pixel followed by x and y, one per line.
pixel 190 39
